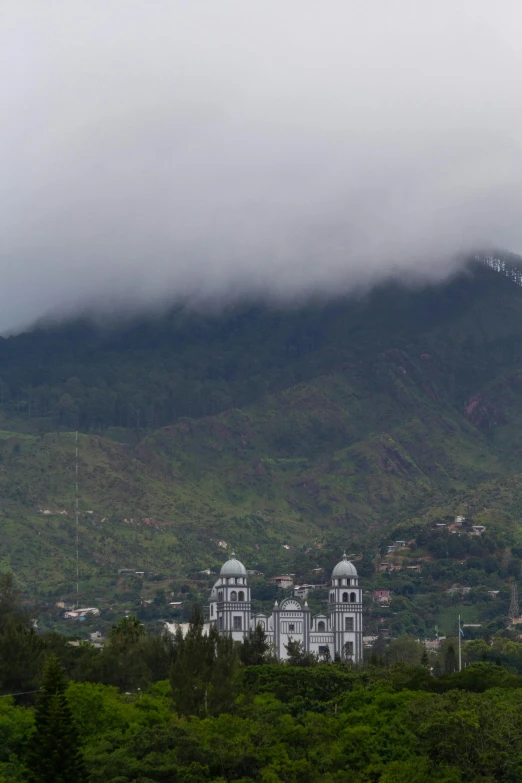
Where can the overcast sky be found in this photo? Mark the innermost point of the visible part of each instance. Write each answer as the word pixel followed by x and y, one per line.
pixel 158 150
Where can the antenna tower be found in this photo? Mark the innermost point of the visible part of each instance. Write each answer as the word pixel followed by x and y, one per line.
pixel 513 606
pixel 77 530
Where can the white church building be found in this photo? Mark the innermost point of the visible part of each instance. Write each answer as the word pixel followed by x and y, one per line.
pixel 340 629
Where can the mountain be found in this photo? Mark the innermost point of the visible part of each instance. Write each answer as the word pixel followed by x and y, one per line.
pixel 320 427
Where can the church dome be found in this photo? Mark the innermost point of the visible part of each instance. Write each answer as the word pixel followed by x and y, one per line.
pixel 344 568
pixel 233 567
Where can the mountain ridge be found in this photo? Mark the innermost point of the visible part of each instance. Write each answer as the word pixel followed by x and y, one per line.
pixel 406 414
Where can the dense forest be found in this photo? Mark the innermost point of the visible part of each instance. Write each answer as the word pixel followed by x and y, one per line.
pixel 146 373
pixel 155 708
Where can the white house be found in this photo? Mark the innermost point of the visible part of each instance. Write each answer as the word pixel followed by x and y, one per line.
pixel 284 581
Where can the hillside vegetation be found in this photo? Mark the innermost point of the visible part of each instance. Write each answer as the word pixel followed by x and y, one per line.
pixel 325 426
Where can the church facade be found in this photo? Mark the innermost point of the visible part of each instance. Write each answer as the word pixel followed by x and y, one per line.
pixel 340 629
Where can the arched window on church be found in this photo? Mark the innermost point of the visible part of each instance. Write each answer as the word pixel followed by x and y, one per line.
pixel 321 626
pixel 241 596
pixel 353 598
pixel 220 595
pixel 332 597
pixel 345 598
pixel 261 624
pixel 233 595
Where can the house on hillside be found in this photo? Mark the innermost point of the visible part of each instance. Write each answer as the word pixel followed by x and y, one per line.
pixel 81 614
pixel 97 639
pixel 456 590
pixel 382 596
pixel 433 645
pixel 284 581
pixel 302 592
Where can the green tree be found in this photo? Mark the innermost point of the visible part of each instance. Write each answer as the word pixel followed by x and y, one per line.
pixel 21 658
pixel 378 651
pixel 404 649
pixel 21 649
pixel 11 607
pixel 127 632
pixel 255 647
pixel 297 656
pixel 123 662
pixel 450 660
pixel 203 668
pixel 191 669
pixel 225 661
pixel 54 754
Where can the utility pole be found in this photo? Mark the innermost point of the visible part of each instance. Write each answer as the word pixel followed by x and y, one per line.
pixel 77 531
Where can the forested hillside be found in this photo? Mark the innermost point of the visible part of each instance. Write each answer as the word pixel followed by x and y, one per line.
pixel 323 426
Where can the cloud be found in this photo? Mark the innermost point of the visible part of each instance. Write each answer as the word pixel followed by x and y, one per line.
pixel 162 151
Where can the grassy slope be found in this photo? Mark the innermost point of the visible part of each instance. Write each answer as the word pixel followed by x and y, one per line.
pixel 384 436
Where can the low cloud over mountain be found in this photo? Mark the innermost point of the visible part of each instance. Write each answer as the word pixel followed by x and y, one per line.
pixel 154 152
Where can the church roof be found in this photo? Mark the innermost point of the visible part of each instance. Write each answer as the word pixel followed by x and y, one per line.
pixel 233 567
pixel 344 568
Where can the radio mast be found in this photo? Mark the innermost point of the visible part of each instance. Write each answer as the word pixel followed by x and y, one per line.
pixel 77 525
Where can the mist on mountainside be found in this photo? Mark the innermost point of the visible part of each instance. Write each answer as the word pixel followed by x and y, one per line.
pixel 205 153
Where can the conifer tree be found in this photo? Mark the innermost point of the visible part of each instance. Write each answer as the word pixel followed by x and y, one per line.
pixel 450 660
pixel 123 660
pixel 297 656
pixel 378 651
pixel 224 666
pixel 254 648
pixel 202 672
pixel 11 608
pixel 192 667
pixel 54 754
pixel 21 649
pixel 424 659
pixel 437 669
